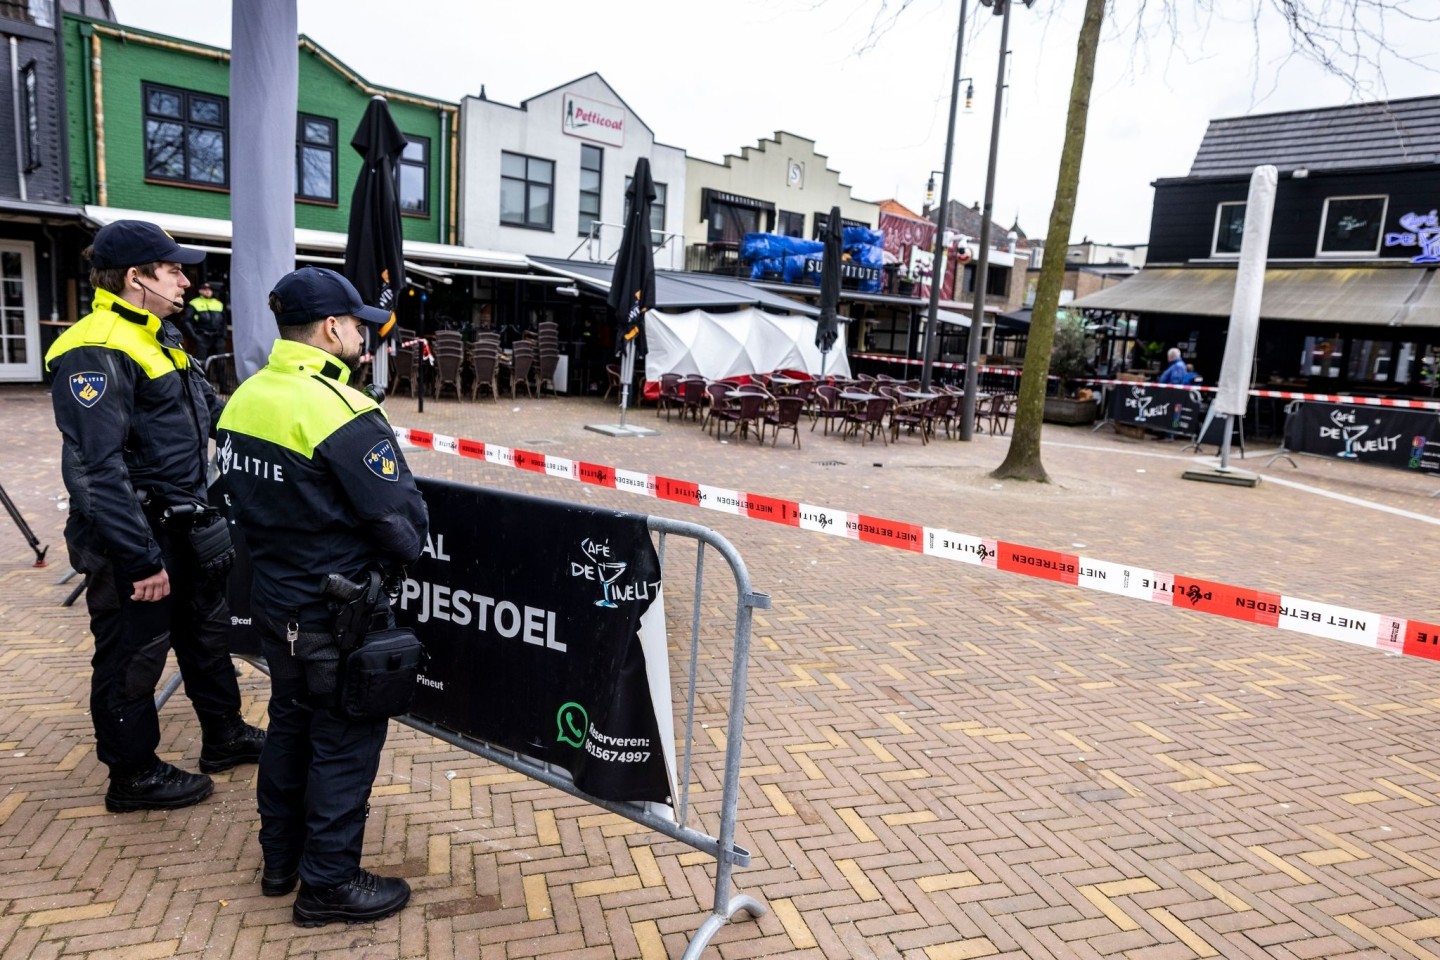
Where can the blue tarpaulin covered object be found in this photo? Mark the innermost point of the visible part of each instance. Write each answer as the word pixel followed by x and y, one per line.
pixel 771 256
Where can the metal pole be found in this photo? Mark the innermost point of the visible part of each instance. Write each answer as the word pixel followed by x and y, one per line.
pixel 982 266
pixel 927 352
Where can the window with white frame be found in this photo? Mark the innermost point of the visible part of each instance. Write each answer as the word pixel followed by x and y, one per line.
pixel 1229 230
pixel 1351 226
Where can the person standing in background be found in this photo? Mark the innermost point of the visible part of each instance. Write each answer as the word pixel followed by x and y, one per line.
pixel 205 322
pixel 1176 371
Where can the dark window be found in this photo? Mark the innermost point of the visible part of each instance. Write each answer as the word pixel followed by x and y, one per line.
pixel 185 136
pixel 592 164
pixel 657 212
pixel 526 185
pixel 1352 225
pixel 30 117
pixel 792 224
pixel 414 176
pixel 997 280
pixel 729 223
pixel 315 142
pixel 1229 229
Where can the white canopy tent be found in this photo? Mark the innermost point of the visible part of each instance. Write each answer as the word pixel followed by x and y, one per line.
pixel 734 344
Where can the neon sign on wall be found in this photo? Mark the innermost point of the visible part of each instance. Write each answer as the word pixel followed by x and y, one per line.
pixel 1421 230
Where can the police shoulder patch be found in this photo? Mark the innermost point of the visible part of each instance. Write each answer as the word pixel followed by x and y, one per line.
pixel 87 388
pixel 381 461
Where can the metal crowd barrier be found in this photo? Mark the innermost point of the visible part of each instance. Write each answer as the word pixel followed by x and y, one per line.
pixel 686 827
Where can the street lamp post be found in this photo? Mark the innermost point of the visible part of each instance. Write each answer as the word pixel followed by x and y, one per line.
pixel 928 352
pixel 982 264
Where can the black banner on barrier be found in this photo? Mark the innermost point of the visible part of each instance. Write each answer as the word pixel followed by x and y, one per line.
pixel 544 626
pixel 1164 409
pixel 1408 439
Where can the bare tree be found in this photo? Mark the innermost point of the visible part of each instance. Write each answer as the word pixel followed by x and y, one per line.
pixel 1022 460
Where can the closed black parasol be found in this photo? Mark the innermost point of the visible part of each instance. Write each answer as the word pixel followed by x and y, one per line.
pixel 632 286
pixel 374 257
pixel 827 326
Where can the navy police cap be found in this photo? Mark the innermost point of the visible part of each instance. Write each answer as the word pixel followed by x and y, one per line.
pixel 131 243
pixel 314 293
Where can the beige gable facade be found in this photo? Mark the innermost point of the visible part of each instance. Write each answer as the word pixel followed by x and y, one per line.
pixel 777 186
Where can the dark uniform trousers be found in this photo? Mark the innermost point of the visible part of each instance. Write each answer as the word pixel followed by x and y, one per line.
pixel 131 641
pixel 316 772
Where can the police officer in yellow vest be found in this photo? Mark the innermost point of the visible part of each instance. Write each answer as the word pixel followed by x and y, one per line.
pixel 136 417
pixel 204 321
pixel 318 486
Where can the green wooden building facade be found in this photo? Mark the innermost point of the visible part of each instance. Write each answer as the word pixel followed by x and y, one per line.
pixel 148 123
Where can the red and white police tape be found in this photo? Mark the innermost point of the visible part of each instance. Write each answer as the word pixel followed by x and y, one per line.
pixel 1277 394
pixel 1395 634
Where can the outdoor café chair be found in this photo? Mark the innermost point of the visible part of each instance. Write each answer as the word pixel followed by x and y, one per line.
pixel 612 379
pixel 669 394
pixel 910 416
pixel 785 416
pixel 714 396
pixel 868 418
pixel 740 413
pixel 1002 405
pixel 692 396
pixel 827 406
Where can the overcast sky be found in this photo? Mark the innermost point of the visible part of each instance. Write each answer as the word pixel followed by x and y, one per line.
pixel 715 77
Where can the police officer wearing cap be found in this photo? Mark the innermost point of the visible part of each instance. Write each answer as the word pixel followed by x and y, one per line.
pixel 205 322
pixel 318 486
pixel 136 417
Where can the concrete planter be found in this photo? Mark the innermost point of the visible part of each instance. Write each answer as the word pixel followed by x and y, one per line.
pixel 1069 410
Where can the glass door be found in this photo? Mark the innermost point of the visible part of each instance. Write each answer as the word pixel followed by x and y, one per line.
pixel 19 317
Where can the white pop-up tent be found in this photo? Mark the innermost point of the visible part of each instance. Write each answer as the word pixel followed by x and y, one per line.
pixel 736 343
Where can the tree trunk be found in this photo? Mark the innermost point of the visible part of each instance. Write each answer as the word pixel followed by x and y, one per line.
pixel 1022 461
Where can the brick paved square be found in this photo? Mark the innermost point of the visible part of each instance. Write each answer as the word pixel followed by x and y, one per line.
pixel 938 756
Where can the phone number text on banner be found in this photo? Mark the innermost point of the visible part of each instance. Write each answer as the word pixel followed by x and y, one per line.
pixel 1394 634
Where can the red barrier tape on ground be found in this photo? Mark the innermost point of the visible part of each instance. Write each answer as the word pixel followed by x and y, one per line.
pixel 1278 394
pixel 1415 638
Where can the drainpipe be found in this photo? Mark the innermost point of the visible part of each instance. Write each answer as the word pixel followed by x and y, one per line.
pixel 454 175
pixel 19 132
pixel 88 117
pixel 444 205
pixel 102 193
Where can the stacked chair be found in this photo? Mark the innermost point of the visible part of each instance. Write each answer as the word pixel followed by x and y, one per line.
pixel 522 363
pixel 548 356
pixel 484 365
pixel 402 365
pixel 449 359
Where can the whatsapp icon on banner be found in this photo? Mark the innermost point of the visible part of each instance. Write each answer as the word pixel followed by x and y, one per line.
pixel 571 722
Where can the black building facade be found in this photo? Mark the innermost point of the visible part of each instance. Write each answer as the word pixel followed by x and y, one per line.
pixel 40 227
pixel 1350 300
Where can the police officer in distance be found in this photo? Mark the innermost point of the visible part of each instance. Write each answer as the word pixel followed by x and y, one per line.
pixel 136 417
pixel 318 487
pixel 205 322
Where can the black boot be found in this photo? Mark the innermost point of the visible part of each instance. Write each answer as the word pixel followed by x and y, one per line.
pixel 277 880
pixel 361 898
pixel 162 787
pixel 241 746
